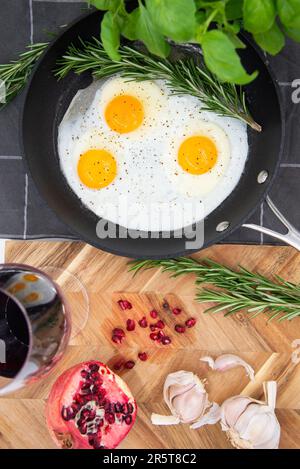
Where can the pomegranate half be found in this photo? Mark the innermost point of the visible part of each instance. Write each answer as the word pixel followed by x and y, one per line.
pixel 90 407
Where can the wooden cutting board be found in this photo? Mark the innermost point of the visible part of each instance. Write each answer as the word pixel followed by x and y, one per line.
pixel 266 346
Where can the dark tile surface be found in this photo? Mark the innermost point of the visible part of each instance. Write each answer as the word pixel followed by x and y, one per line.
pixel 22 211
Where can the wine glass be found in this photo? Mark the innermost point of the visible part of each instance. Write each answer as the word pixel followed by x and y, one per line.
pixel 35 325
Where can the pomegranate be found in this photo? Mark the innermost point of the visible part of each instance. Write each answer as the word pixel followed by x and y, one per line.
pixel 176 311
pixel 90 407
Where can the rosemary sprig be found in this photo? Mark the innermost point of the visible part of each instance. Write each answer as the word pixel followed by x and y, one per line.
pixel 235 290
pixel 16 73
pixel 182 77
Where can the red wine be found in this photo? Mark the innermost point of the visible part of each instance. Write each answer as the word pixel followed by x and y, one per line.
pixel 14 336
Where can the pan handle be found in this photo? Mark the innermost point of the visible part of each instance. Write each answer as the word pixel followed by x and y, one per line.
pixel 292 237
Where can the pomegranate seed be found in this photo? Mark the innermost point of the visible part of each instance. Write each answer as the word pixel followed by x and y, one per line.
pixel 176 311
pixel 129 364
pixel 118 331
pixel 165 305
pixel 95 443
pixel 153 336
pixel 153 314
pixel 130 325
pixel 110 418
pixel 67 413
pixel 85 389
pixel 160 334
pixel 166 340
pixel 179 328
pixel 128 419
pixel 153 327
pixel 99 423
pixel 118 407
pixel 116 339
pixel 84 374
pixel 94 366
pixel 95 377
pixel 83 428
pixel 91 415
pixel 190 322
pixel 143 322
pixel 124 304
pixel 160 324
pixel 129 408
pixel 143 356
pixel 118 365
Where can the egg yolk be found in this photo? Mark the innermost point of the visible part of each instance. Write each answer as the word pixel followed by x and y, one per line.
pixel 17 287
pixel 30 278
pixel 197 155
pixel 97 168
pixel 124 114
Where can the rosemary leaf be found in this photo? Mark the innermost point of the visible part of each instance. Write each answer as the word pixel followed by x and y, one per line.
pixel 234 290
pixel 16 73
pixel 182 77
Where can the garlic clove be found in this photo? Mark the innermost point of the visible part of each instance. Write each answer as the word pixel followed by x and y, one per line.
pixel 190 405
pixel 232 409
pixel 226 362
pixel 187 399
pixel 176 390
pixel 211 417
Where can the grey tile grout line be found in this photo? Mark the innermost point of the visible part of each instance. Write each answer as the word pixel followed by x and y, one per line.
pixel 31 21
pixel 12 157
pixel 261 222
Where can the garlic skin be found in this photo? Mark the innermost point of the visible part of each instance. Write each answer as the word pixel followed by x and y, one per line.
pixel 226 362
pixel 252 424
pixel 187 399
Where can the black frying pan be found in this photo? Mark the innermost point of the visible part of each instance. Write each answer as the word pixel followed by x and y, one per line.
pixel 46 102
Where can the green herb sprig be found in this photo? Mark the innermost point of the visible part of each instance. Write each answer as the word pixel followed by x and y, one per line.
pixel 235 290
pixel 182 77
pixel 214 24
pixel 16 73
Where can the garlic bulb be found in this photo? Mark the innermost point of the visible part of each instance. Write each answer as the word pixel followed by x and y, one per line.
pixel 187 399
pixel 252 424
pixel 226 362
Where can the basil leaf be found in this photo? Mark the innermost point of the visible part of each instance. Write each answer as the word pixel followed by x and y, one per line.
pixel 148 32
pixel 222 59
pixel 234 9
pixel 271 41
pixel 289 13
pixel 293 33
pixel 110 36
pixel 129 26
pixel 175 18
pixel 259 15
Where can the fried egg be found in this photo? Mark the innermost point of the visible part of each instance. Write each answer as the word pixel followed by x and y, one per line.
pixel 198 158
pixel 139 156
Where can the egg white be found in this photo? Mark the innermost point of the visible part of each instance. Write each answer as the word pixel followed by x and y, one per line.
pixel 145 190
